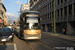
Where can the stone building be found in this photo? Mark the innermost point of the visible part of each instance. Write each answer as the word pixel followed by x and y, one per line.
pixel 3 17
pixel 25 7
pixel 65 14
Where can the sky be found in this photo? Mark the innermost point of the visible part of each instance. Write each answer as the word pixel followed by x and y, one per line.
pixel 13 8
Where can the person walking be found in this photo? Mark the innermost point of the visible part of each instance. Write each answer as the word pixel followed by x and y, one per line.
pixel 65 31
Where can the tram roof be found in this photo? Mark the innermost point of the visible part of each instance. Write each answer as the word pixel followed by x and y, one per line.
pixel 30 11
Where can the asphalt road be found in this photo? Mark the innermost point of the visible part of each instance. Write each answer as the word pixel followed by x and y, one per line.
pixel 8 46
pixel 45 43
pixel 30 44
pixel 58 43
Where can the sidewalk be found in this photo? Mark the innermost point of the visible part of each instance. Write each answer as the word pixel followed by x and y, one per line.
pixel 68 37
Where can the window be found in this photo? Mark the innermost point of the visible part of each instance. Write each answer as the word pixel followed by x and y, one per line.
pixel 74 8
pixel 61 12
pixel 58 13
pixel 58 2
pixel 1 14
pixel 52 15
pixel 70 9
pixel 48 6
pixel 61 1
pixel 52 4
pixel 69 0
pixel 48 16
pixel 65 11
pixel 65 0
pixel 5 30
pixel 35 0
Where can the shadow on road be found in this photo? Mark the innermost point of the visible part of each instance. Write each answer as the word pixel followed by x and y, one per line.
pixel 3 47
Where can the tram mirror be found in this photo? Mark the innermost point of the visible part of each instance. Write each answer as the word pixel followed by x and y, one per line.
pixel 27 23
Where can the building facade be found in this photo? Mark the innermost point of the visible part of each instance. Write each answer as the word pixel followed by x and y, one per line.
pixel 65 14
pixel 25 7
pixel 3 17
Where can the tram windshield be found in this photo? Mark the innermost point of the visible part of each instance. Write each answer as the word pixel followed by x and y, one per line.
pixel 32 23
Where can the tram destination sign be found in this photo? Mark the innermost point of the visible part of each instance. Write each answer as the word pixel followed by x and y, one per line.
pixel 31 15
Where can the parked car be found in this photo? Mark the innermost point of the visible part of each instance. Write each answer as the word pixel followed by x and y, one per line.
pixel 6 35
pixel 11 27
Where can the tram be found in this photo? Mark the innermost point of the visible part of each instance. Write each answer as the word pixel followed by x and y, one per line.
pixel 30 25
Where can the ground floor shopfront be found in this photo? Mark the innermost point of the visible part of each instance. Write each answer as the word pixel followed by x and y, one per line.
pixel 69 26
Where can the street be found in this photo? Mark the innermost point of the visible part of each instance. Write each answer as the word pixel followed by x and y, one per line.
pixel 30 45
pixel 50 22
pixel 47 42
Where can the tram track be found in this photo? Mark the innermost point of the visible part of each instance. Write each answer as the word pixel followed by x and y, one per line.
pixel 60 42
pixel 38 41
pixel 29 45
pixel 56 42
pixel 46 44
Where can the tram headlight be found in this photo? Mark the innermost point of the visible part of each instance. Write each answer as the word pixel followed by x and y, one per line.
pixel 31 30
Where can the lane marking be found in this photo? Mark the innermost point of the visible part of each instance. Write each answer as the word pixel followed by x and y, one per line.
pixel 15 48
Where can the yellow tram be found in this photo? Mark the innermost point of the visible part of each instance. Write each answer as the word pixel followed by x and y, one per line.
pixel 30 27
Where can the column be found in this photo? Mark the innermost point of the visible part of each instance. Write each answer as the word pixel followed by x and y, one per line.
pixel 59 13
pixel 63 12
pixel 72 9
pixel 67 11
pixel 60 2
pixel 56 14
pixel 49 16
pixel 63 1
pixel 46 28
pixel 46 17
pixel 51 4
pixel 41 27
pixel 47 7
pixel 57 2
pixel 69 29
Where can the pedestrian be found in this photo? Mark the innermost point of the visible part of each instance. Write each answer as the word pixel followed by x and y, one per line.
pixel 65 32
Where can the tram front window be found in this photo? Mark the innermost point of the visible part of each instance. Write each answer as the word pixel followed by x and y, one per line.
pixel 32 23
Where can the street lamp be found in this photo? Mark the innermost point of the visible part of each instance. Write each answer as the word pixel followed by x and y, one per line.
pixel 54 18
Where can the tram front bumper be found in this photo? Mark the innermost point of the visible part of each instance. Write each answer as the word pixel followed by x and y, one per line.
pixel 32 36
